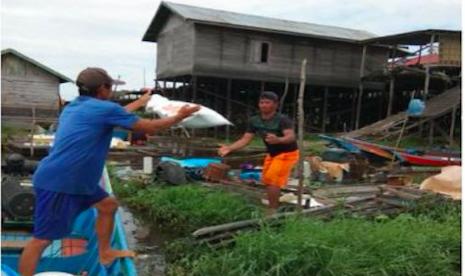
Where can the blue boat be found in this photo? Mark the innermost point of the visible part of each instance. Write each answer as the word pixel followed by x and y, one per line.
pixel 75 254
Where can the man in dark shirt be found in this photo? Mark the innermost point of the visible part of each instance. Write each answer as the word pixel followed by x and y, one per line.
pixel 278 134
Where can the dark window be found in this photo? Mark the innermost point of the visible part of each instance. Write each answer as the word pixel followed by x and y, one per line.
pixel 265 49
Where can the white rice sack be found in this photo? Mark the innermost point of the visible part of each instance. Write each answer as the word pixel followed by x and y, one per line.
pixel 203 118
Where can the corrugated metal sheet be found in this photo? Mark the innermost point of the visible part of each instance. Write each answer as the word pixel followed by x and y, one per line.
pixel 244 21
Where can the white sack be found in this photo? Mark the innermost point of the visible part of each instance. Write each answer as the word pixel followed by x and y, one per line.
pixel 203 118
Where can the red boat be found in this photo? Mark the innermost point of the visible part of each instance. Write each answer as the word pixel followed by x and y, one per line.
pixel 418 158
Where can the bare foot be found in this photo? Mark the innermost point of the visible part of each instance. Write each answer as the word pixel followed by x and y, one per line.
pixel 109 256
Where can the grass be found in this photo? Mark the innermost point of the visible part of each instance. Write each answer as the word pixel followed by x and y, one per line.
pixel 183 209
pixel 9 131
pixel 406 245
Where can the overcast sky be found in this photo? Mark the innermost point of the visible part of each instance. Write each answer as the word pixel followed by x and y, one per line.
pixel 71 35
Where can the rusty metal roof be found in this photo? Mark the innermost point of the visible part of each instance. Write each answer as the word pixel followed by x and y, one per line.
pixel 62 78
pixel 250 22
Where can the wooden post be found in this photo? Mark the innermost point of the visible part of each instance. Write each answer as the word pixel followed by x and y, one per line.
pixel 184 89
pixel 31 149
pixel 301 133
pixel 194 97
pixel 283 98
pixel 427 70
pixel 194 89
pixel 452 126
pixel 228 106
pixel 391 96
pixel 360 87
pixel 262 86
pixel 294 106
pixel 391 83
pixel 325 109
pixel 431 133
pixel 354 109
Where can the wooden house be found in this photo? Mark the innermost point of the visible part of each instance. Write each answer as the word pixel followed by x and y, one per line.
pixel 29 87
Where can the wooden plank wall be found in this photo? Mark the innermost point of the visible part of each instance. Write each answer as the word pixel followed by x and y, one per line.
pixel 24 84
pixel 175 48
pixel 229 53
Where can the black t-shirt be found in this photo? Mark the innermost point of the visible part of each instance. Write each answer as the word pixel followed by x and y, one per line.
pixel 275 126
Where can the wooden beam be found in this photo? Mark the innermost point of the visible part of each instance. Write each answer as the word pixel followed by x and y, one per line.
pixel 194 89
pixel 391 95
pixel 354 108
pixel 283 98
pixel 427 70
pixel 360 87
pixel 391 86
pixel 301 133
pixel 325 109
pixel 452 125
pixel 294 106
pixel 431 133
pixel 228 106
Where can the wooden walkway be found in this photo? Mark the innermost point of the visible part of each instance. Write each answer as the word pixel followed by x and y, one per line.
pixel 435 107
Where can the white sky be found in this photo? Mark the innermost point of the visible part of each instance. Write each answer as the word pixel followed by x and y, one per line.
pixel 69 36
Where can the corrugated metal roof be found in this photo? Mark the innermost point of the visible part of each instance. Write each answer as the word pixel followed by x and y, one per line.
pixel 419 37
pixel 253 22
pixel 61 77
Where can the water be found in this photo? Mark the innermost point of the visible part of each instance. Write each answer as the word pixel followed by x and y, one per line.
pixel 147 241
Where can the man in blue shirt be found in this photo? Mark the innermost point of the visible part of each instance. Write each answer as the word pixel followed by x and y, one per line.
pixel 66 181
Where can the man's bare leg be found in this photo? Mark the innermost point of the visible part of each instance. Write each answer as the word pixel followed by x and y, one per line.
pixel 273 193
pixel 104 228
pixel 31 255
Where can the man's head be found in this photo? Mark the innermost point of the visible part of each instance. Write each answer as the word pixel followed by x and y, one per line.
pixel 268 102
pixel 95 82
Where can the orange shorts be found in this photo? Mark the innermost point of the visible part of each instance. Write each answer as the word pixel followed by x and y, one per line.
pixel 276 169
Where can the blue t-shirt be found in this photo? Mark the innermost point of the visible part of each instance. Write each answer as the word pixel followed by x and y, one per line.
pixel 75 162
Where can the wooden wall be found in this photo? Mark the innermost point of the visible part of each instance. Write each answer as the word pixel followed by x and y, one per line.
pixel 24 84
pixel 231 53
pixel 175 48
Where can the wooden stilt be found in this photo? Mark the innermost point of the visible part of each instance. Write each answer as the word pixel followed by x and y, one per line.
pixel 391 96
pixel 228 106
pixel 294 105
pixel 194 89
pixel 354 108
pixel 452 126
pixel 301 133
pixel 391 84
pixel 325 109
pixel 431 133
pixel 360 87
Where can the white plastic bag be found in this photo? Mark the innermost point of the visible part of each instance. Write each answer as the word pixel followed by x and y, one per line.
pixel 203 118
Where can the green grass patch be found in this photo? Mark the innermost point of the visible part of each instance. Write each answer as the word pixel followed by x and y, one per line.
pixel 183 209
pixel 8 131
pixel 406 245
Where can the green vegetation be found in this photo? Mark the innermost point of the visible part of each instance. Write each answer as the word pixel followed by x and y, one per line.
pixel 184 209
pixel 9 131
pixel 406 245
pixel 425 241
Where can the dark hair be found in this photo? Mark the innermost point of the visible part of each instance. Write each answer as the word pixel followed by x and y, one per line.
pixel 91 90
pixel 269 95
pixel 87 91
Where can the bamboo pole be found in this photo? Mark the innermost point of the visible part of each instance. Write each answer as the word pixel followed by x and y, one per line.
pixel 301 117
